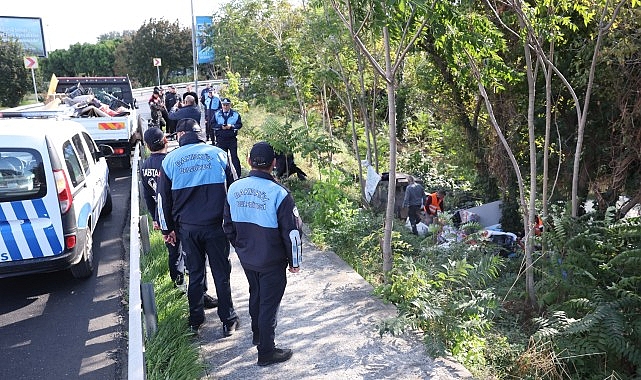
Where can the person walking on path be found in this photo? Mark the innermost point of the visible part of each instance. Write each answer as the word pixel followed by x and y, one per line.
pixel 212 104
pixel 156 142
pixel 413 200
pixel 191 199
pixel 226 124
pixel 262 223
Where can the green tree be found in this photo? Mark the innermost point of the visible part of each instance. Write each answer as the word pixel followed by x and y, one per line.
pixel 155 39
pixel 82 60
pixel 14 77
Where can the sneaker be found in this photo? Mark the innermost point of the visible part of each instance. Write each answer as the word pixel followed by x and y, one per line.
pixel 279 355
pixel 210 302
pixel 230 327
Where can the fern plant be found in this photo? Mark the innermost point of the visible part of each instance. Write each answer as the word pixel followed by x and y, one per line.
pixel 446 295
pixel 592 271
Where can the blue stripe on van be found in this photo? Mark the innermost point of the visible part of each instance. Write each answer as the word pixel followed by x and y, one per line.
pixel 9 240
pixel 27 229
pixel 83 215
pixel 50 231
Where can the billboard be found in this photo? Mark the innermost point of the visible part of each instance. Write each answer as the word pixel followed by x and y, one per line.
pixel 27 30
pixel 205 53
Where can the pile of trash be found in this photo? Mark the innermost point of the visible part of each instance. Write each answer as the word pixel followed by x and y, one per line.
pixel 85 104
pixel 464 226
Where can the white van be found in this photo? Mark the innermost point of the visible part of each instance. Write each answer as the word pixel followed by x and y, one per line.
pixel 54 185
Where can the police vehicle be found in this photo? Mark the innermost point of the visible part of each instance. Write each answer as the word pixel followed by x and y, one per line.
pixel 54 185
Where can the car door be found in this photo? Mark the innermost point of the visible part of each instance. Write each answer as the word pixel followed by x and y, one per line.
pixel 99 169
pixel 94 183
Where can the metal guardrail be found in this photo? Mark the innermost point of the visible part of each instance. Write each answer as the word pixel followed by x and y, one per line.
pixel 136 362
pixel 179 86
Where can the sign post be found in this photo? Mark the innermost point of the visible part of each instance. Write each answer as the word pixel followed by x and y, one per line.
pixel 157 63
pixel 32 63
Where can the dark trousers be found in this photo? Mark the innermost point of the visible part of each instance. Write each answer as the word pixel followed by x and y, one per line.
pixel 415 217
pixel 212 242
pixel 175 252
pixel 232 147
pixel 266 290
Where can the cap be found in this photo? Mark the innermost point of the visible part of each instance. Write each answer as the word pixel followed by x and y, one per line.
pixel 225 101
pixel 187 125
pixel 154 138
pixel 172 87
pixel 261 155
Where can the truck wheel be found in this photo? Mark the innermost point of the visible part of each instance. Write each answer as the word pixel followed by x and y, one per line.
pixel 84 268
pixel 108 207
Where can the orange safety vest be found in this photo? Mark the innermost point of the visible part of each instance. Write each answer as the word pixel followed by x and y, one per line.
pixel 434 204
pixel 538 226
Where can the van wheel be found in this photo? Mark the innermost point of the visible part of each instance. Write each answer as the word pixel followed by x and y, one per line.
pixel 84 268
pixel 108 207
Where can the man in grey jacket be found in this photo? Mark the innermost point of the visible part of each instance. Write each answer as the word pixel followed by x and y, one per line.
pixel 414 197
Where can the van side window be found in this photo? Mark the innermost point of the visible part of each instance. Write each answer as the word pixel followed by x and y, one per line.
pixel 91 145
pixel 82 153
pixel 73 164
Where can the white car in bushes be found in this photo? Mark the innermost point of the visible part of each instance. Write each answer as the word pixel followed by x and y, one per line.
pixel 54 185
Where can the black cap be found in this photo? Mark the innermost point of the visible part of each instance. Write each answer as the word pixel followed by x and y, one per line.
pixel 154 138
pixel 225 101
pixel 187 125
pixel 261 155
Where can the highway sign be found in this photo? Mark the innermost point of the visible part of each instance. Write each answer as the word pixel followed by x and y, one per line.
pixel 31 62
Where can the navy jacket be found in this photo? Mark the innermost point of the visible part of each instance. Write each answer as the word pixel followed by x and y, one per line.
pixel 192 185
pixel 149 173
pixel 188 112
pixel 262 223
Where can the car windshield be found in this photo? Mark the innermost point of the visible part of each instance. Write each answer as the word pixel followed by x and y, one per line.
pixel 21 175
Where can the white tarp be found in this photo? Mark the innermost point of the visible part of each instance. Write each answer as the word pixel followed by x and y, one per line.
pixel 372 181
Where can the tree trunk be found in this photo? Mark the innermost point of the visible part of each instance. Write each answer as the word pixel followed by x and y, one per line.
pixel 388 258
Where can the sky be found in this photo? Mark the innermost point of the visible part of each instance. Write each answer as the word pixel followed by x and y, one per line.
pixel 68 22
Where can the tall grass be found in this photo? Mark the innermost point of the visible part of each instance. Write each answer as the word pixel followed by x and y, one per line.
pixel 172 352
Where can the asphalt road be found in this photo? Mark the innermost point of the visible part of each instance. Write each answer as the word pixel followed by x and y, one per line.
pixel 53 326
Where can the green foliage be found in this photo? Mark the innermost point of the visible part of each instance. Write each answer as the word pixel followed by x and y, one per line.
pixel 591 283
pixel 171 353
pixel 14 78
pixel 154 39
pixel 446 295
pixel 82 60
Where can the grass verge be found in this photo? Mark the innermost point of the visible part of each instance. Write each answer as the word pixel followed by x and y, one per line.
pixel 171 353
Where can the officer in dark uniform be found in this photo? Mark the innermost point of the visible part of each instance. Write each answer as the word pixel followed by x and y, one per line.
pixel 191 197
pixel 261 221
pixel 226 124
pixel 149 171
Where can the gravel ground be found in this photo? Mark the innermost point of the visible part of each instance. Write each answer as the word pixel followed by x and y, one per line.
pixel 328 318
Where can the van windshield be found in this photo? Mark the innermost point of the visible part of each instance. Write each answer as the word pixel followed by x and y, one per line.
pixel 22 175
